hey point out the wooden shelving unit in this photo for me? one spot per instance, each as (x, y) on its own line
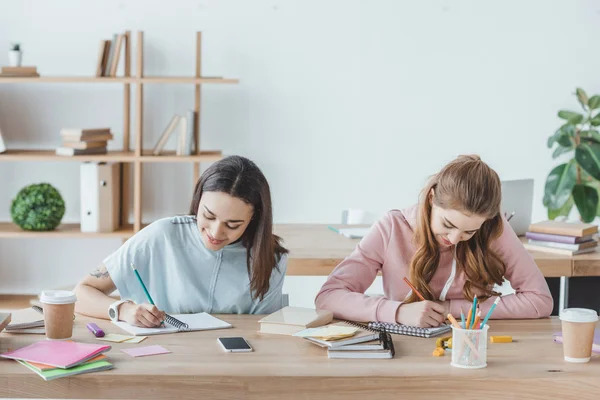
(134, 158)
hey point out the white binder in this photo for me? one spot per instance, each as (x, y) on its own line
(100, 194)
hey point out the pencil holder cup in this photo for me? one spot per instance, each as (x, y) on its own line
(469, 347)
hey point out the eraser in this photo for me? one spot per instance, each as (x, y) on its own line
(501, 339)
(95, 329)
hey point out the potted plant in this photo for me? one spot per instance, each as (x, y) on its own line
(14, 55)
(577, 181)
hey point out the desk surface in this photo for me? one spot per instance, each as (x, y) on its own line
(284, 367)
(315, 250)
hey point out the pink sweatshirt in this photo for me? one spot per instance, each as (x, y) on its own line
(389, 248)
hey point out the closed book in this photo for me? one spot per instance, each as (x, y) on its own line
(19, 74)
(290, 320)
(164, 137)
(565, 246)
(361, 336)
(56, 373)
(386, 352)
(558, 238)
(19, 70)
(83, 131)
(62, 354)
(67, 151)
(564, 228)
(91, 137)
(84, 145)
(536, 247)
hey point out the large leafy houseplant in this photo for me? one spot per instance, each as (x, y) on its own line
(577, 181)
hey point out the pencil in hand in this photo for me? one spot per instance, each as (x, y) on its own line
(410, 285)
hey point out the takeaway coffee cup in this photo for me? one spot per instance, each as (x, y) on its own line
(578, 325)
(59, 309)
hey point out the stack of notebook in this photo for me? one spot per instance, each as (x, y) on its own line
(562, 237)
(28, 320)
(342, 340)
(52, 359)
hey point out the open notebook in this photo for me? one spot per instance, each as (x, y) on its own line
(196, 322)
(400, 329)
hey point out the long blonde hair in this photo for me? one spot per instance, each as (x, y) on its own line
(470, 186)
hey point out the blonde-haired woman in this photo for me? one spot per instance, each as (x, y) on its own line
(453, 245)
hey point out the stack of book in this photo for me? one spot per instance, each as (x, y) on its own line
(28, 320)
(19, 72)
(356, 343)
(562, 237)
(52, 359)
(84, 141)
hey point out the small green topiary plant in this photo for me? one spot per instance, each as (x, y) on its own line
(38, 207)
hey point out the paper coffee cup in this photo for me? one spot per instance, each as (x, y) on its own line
(59, 309)
(578, 325)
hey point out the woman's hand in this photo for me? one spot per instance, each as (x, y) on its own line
(423, 314)
(144, 315)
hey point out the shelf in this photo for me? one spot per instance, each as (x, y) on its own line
(10, 230)
(50, 155)
(66, 79)
(112, 156)
(132, 79)
(169, 156)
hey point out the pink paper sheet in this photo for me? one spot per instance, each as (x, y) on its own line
(146, 351)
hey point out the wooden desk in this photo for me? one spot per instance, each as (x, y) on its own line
(284, 367)
(315, 250)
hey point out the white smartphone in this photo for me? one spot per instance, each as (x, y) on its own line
(234, 344)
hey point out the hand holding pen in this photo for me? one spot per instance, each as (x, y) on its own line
(423, 313)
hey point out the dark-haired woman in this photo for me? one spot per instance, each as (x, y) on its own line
(221, 258)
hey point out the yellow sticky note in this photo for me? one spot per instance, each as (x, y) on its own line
(114, 337)
(135, 339)
(330, 332)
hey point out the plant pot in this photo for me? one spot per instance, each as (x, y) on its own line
(14, 58)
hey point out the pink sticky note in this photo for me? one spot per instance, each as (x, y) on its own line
(145, 351)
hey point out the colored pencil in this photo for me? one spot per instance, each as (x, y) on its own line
(410, 285)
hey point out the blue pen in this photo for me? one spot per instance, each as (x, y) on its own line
(333, 229)
(474, 312)
(489, 314)
(462, 319)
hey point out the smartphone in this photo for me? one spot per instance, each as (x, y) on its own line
(234, 344)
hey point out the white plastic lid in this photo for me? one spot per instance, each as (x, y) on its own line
(578, 315)
(58, 297)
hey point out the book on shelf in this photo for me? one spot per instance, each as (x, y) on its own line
(559, 238)
(102, 57)
(91, 137)
(19, 72)
(166, 134)
(68, 151)
(83, 132)
(290, 320)
(386, 351)
(82, 145)
(535, 247)
(565, 246)
(2, 145)
(566, 228)
(117, 54)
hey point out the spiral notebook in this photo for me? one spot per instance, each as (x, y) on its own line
(400, 329)
(195, 322)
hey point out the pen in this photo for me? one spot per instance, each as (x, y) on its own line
(144, 287)
(472, 320)
(489, 314)
(410, 285)
(512, 214)
(462, 319)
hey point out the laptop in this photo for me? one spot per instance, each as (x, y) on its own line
(517, 197)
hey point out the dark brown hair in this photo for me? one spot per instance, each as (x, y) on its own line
(470, 186)
(241, 178)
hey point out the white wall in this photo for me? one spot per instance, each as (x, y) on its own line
(341, 103)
